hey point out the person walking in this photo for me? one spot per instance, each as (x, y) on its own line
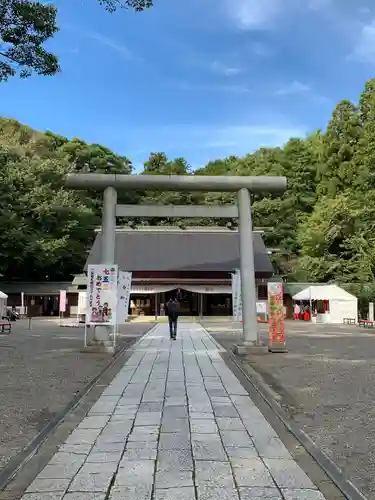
(171, 310)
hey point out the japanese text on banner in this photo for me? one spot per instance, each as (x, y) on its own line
(124, 289)
(102, 293)
(236, 296)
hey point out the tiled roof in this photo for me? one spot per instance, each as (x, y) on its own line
(186, 250)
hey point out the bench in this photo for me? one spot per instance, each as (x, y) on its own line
(5, 326)
(366, 323)
(349, 321)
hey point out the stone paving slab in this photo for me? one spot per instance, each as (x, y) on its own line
(175, 424)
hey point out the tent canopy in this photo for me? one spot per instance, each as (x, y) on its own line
(324, 292)
(3, 295)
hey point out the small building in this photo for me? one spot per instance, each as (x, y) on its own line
(196, 263)
(42, 297)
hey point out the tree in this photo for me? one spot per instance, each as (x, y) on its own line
(323, 224)
(364, 159)
(24, 27)
(137, 5)
(45, 228)
(158, 164)
(340, 145)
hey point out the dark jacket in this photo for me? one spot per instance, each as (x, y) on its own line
(172, 309)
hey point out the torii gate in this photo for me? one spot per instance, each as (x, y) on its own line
(242, 185)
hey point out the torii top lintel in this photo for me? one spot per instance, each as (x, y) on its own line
(255, 184)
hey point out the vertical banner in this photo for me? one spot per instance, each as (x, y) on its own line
(62, 301)
(82, 303)
(236, 296)
(22, 310)
(370, 312)
(239, 295)
(82, 307)
(123, 297)
(261, 307)
(102, 294)
(276, 317)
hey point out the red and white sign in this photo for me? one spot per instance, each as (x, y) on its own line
(276, 317)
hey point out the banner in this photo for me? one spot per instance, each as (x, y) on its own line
(62, 302)
(82, 303)
(276, 317)
(22, 308)
(236, 296)
(123, 291)
(102, 294)
(261, 307)
(233, 276)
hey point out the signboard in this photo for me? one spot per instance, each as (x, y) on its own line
(233, 295)
(276, 317)
(123, 296)
(22, 308)
(236, 296)
(62, 302)
(82, 303)
(261, 308)
(102, 294)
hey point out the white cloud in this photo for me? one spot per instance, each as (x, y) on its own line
(223, 69)
(293, 88)
(253, 14)
(242, 135)
(261, 49)
(112, 44)
(211, 87)
(364, 11)
(227, 139)
(364, 50)
(319, 4)
(262, 14)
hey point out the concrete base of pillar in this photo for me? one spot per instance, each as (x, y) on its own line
(250, 348)
(98, 339)
(277, 348)
(99, 348)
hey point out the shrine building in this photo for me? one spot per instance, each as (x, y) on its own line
(195, 262)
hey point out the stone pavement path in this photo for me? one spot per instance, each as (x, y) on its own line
(175, 424)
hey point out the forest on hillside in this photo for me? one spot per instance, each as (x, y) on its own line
(323, 225)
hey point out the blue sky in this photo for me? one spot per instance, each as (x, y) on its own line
(202, 79)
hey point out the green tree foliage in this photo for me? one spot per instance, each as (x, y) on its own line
(137, 5)
(336, 241)
(158, 164)
(24, 27)
(323, 227)
(45, 228)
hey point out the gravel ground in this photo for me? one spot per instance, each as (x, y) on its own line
(40, 372)
(327, 383)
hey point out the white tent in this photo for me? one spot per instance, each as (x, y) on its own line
(3, 304)
(341, 303)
